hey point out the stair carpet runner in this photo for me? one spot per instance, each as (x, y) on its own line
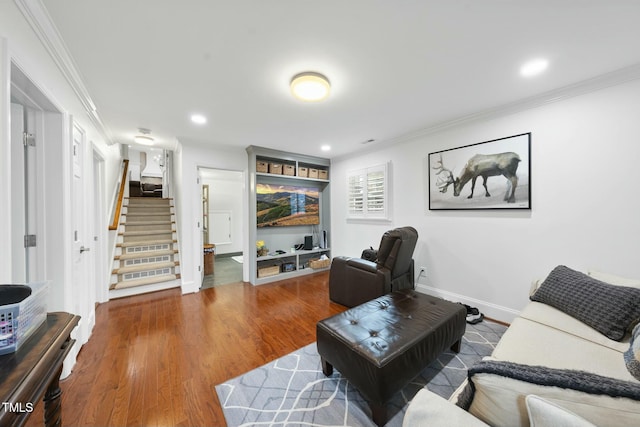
(146, 251)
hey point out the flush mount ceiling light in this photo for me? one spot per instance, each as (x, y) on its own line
(144, 138)
(310, 86)
(198, 119)
(533, 68)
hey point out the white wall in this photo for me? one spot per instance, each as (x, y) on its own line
(585, 153)
(189, 158)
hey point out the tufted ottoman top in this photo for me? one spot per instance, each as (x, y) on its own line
(381, 345)
(382, 328)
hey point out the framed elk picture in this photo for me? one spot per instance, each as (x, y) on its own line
(488, 175)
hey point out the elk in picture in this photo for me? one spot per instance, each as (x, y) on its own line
(484, 165)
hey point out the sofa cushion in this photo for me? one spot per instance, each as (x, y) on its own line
(500, 388)
(430, 410)
(609, 309)
(632, 355)
(543, 413)
(549, 316)
(614, 280)
(521, 343)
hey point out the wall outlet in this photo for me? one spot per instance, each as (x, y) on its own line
(422, 271)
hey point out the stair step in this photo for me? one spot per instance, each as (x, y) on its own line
(148, 209)
(145, 258)
(139, 228)
(144, 233)
(146, 266)
(157, 206)
(149, 199)
(145, 254)
(146, 281)
(153, 216)
(155, 242)
(146, 274)
(145, 205)
(142, 240)
(155, 213)
(138, 223)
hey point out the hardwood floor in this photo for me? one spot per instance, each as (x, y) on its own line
(153, 360)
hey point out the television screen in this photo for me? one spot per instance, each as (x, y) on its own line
(283, 205)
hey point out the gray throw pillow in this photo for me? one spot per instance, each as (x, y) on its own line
(609, 309)
(632, 356)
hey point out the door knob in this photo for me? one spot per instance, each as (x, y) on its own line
(83, 249)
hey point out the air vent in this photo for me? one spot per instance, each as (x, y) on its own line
(147, 248)
(145, 274)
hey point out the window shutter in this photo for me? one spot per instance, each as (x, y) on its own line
(368, 193)
(356, 194)
(375, 192)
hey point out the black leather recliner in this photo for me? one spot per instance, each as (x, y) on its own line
(353, 281)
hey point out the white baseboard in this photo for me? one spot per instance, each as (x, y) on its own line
(497, 312)
(190, 287)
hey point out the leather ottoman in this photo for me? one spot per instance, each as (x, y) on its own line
(381, 345)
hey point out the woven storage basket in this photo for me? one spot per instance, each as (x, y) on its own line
(268, 271)
(319, 263)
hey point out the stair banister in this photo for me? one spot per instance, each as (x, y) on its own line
(116, 216)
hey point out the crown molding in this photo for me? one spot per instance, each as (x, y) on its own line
(583, 87)
(38, 18)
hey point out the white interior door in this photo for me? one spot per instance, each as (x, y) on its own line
(81, 240)
(99, 227)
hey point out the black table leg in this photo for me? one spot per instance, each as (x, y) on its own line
(53, 403)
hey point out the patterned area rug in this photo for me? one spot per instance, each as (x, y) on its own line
(293, 391)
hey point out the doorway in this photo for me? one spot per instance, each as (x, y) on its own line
(222, 233)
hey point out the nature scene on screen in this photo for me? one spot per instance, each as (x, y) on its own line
(283, 205)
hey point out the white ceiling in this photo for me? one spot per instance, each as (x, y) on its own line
(397, 67)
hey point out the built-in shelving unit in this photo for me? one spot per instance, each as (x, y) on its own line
(273, 267)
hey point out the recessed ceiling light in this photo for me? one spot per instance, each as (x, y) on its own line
(310, 86)
(533, 68)
(198, 119)
(325, 148)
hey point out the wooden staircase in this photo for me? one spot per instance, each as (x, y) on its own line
(146, 249)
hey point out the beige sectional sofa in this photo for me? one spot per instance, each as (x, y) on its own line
(564, 365)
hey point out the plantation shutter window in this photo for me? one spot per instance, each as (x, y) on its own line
(367, 192)
(375, 191)
(356, 194)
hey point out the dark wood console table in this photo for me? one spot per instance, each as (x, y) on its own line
(34, 372)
